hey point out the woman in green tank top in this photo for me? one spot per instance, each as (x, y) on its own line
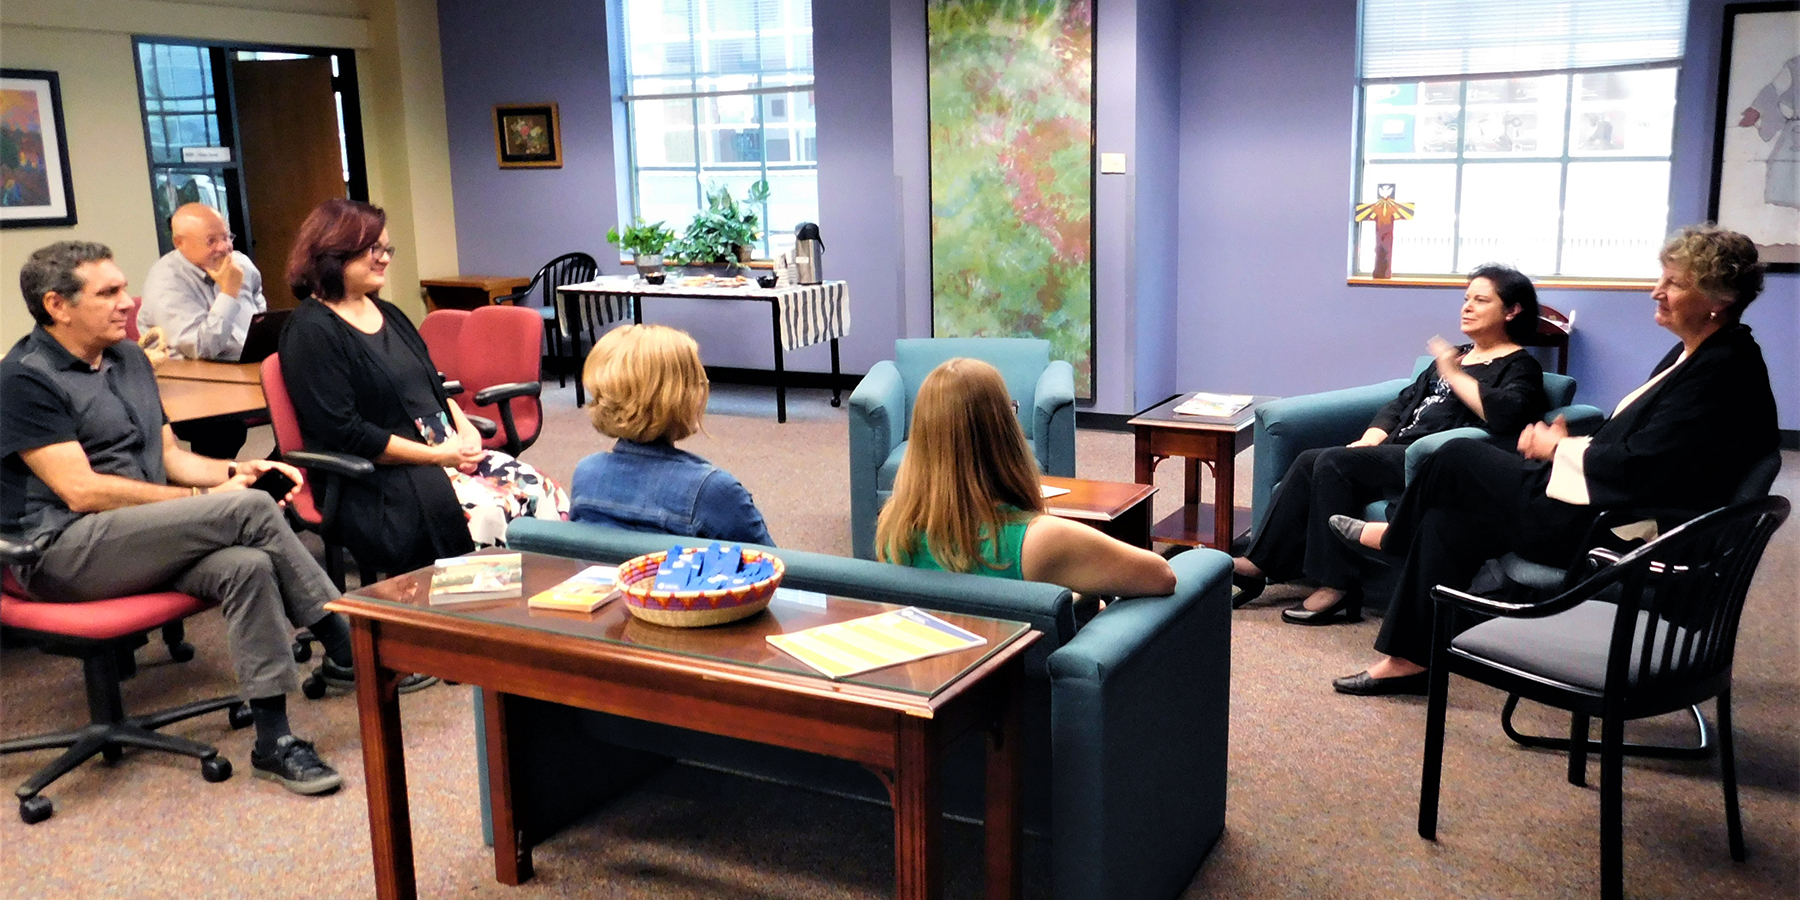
(967, 499)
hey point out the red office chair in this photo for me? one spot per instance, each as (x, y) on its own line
(315, 507)
(498, 364)
(103, 634)
(131, 325)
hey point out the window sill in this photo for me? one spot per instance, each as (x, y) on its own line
(1578, 284)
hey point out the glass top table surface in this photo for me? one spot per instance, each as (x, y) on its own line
(743, 643)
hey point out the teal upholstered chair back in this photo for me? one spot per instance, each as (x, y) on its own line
(881, 414)
(1021, 362)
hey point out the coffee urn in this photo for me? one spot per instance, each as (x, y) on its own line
(809, 254)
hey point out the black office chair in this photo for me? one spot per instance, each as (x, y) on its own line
(569, 268)
(1521, 578)
(1647, 633)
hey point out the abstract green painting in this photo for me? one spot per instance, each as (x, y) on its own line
(1012, 176)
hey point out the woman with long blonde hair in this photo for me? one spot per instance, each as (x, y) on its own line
(967, 499)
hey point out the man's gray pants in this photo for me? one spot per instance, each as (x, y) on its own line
(232, 548)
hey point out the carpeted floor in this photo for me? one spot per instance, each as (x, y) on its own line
(1323, 786)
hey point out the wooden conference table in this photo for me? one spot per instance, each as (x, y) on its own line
(800, 315)
(724, 680)
(201, 389)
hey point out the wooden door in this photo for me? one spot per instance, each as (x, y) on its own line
(288, 138)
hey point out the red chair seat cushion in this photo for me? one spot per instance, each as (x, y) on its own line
(99, 620)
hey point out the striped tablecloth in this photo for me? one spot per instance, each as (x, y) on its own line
(809, 313)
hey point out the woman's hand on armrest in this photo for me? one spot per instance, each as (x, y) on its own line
(1080, 558)
(1373, 437)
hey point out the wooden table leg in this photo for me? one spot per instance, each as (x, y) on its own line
(384, 767)
(1135, 525)
(1005, 828)
(918, 820)
(512, 854)
(1143, 464)
(1224, 481)
(1190, 481)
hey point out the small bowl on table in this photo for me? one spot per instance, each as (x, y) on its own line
(767, 281)
(655, 278)
(693, 609)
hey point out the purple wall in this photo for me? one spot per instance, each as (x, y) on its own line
(1267, 123)
(1220, 259)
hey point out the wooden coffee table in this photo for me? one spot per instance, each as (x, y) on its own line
(1214, 441)
(1116, 508)
(724, 680)
(470, 291)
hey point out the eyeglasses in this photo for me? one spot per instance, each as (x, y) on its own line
(379, 250)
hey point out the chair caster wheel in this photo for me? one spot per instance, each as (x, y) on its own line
(181, 652)
(112, 753)
(215, 769)
(35, 809)
(313, 687)
(302, 651)
(240, 716)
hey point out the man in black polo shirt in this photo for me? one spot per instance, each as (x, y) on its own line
(88, 462)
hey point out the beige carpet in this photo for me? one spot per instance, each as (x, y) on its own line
(1323, 787)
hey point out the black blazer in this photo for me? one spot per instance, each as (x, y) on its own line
(1688, 442)
(405, 516)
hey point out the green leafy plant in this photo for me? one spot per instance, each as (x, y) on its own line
(641, 239)
(723, 226)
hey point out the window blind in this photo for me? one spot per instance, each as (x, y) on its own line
(1459, 38)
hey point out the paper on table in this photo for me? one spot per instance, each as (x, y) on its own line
(872, 642)
(1215, 405)
(1048, 491)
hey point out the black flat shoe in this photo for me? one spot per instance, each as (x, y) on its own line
(1362, 685)
(1349, 530)
(1245, 588)
(1350, 604)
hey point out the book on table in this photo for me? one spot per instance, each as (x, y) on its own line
(586, 592)
(466, 579)
(842, 649)
(1213, 405)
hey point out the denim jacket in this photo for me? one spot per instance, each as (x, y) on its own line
(658, 488)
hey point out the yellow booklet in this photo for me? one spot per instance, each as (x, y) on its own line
(872, 642)
(586, 592)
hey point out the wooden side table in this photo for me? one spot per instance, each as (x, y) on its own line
(1214, 441)
(469, 291)
(1116, 509)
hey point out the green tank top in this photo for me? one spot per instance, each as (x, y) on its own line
(1007, 554)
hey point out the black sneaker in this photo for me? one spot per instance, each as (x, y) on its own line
(343, 678)
(296, 767)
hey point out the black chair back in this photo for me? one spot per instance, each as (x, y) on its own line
(569, 268)
(1679, 599)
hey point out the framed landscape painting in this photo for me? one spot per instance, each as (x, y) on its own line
(1756, 140)
(35, 190)
(528, 136)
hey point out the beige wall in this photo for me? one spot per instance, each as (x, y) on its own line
(88, 43)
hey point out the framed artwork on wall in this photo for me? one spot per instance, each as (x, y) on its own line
(1756, 139)
(35, 190)
(528, 136)
(1011, 106)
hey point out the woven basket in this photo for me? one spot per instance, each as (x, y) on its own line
(693, 609)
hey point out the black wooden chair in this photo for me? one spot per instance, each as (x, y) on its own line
(1647, 633)
(569, 268)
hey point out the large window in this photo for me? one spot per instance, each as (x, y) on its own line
(720, 93)
(1530, 132)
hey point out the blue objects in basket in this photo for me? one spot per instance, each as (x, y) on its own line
(714, 567)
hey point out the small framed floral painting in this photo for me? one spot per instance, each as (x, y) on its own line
(528, 136)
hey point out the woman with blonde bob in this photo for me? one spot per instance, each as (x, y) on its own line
(650, 391)
(967, 499)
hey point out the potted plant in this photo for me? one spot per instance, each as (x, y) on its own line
(645, 243)
(725, 230)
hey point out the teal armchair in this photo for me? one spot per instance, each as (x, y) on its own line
(1287, 427)
(881, 413)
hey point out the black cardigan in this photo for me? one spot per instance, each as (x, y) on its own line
(1512, 395)
(405, 516)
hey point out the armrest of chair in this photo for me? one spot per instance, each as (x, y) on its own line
(1581, 418)
(1417, 451)
(484, 426)
(514, 298)
(1288, 426)
(1140, 703)
(878, 409)
(452, 387)
(1053, 419)
(343, 464)
(15, 552)
(497, 393)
